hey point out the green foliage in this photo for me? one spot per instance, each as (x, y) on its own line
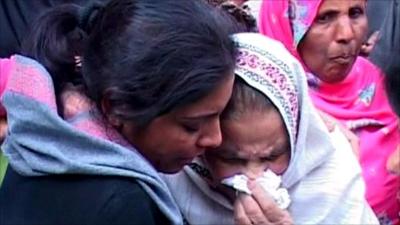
(3, 166)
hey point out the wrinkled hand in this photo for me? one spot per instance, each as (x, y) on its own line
(259, 208)
(352, 138)
(369, 45)
(331, 123)
(393, 162)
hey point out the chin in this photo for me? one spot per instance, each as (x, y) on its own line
(336, 76)
(170, 170)
(338, 79)
(173, 167)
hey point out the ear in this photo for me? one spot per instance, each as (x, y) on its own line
(109, 115)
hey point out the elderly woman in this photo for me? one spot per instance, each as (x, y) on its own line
(271, 125)
(326, 35)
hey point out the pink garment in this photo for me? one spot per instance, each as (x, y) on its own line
(359, 102)
(5, 66)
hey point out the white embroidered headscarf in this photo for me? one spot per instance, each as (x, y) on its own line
(323, 178)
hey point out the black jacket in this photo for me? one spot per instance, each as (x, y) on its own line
(75, 199)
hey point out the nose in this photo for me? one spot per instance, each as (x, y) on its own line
(344, 31)
(253, 170)
(211, 137)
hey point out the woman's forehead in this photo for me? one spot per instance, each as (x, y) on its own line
(254, 131)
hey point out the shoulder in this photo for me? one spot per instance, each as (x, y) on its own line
(128, 203)
(90, 199)
(131, 204)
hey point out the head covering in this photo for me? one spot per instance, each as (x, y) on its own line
(39, 142)
(359, 102)
(321, 176)
(287, 20)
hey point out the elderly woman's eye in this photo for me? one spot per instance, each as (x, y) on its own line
(233, 160)
(270, 158)
(356, 12)
(325, 17)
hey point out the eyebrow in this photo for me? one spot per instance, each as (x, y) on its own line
(336, 11)
(358, 4)
(200, 116)
(279, 151)
(235, 153)
(330, 12)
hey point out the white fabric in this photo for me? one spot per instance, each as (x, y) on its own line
(269, 181)
(323, 178)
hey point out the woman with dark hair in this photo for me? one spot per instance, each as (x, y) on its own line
(86, 138)
(16, 18)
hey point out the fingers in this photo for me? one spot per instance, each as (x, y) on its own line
(259, 208)
(267, 204)
(329, 121)
(240, 216)
(373, 39)
(253, 210)
(353, 140)
(331, 124)
(369, 45)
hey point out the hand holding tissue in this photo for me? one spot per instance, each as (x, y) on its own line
(269, 181)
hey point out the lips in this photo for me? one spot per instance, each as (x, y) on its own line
(343, 59)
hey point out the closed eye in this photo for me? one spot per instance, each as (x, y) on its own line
(274, 155)
(270, 158)
(191, 127)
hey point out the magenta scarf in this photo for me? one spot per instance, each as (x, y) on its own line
(359, 102)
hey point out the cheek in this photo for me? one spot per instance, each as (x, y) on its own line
(220, 170)
(312, 55)
(179, 142)
(361, 31)
(280, 165)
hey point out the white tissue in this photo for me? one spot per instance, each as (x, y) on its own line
(269, 181)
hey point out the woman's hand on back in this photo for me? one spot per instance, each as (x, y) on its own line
(331, 123)
(259, 208)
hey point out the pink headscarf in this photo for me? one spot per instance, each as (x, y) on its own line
(359, 102)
